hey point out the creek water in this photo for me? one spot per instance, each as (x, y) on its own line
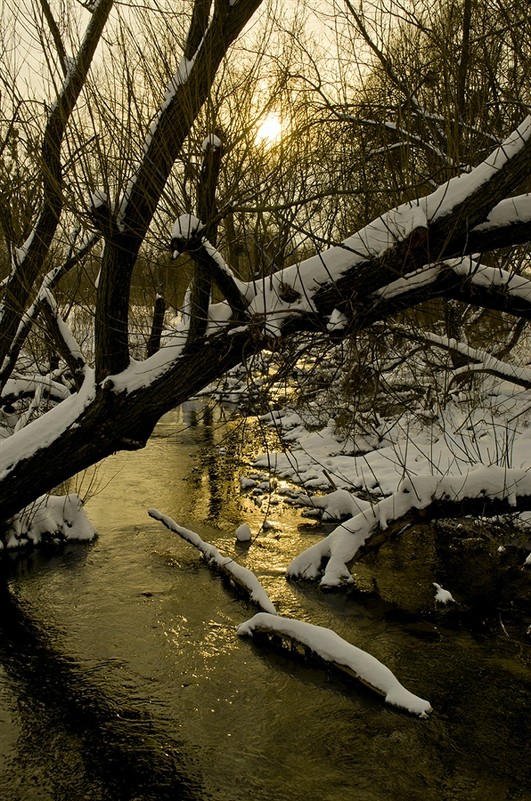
(122, 677)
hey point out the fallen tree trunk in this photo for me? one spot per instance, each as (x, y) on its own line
(484, 491)
(238, 576)
(315, 642)
(328, 648)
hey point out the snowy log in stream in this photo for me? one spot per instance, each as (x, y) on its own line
(327, 646)
(321, 644)
(501, 489)
(241, 577)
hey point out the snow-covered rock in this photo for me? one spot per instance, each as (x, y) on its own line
(243, 533)
(442, 596)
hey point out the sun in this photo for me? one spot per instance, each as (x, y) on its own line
(269, 130)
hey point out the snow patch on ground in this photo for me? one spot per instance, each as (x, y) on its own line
(50, 518)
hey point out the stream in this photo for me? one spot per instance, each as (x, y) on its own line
(122, 677)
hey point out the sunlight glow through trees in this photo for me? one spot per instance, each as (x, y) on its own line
(269, 131)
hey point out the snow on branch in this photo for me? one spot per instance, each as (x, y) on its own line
(26, 386)
(210, 35)
(188, 236)
(62, 337)
(51, 279)
(45, 430)
(238, 575)
(30, 258)
(461, 189)
(462, 279)
(512, 211)
(480, 275)
(487, 483)
(414, 235)
(330, 648)
(482, 361)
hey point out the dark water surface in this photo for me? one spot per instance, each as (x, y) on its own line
(122, 678)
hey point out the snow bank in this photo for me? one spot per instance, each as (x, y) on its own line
(331, 648)
(55, 517)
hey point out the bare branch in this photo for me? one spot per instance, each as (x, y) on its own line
(31, 255)
(185, 95)
(28, 320)
(62, 339)
(206, 205)
(56, 35)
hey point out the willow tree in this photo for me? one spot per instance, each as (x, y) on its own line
(420, 249)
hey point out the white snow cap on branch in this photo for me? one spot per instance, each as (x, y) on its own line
(179, 78)
(509, 211)
(185, 226)
(44, 430)
(337, 322)
(330, 647)
(449, 195)
(211, 141)
(98, 199)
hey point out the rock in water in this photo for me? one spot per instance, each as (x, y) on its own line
(243, 533)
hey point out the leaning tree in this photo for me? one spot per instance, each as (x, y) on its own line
(427, 247)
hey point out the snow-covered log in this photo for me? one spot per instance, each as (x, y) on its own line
(330, 648)
(239, 576)
(500, 488)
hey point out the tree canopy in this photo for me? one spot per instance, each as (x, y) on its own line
(137, 144)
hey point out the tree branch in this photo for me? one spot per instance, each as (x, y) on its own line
(185, 95)
(488, 490)
(62, 339)
(56, 35)
(188, 236)
(50, 281)
(29, 259)
(206, 205)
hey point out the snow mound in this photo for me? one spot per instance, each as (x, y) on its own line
(243, 533)
(51, 517)
(336, 505)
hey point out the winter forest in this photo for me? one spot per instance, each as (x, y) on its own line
(314, 217)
